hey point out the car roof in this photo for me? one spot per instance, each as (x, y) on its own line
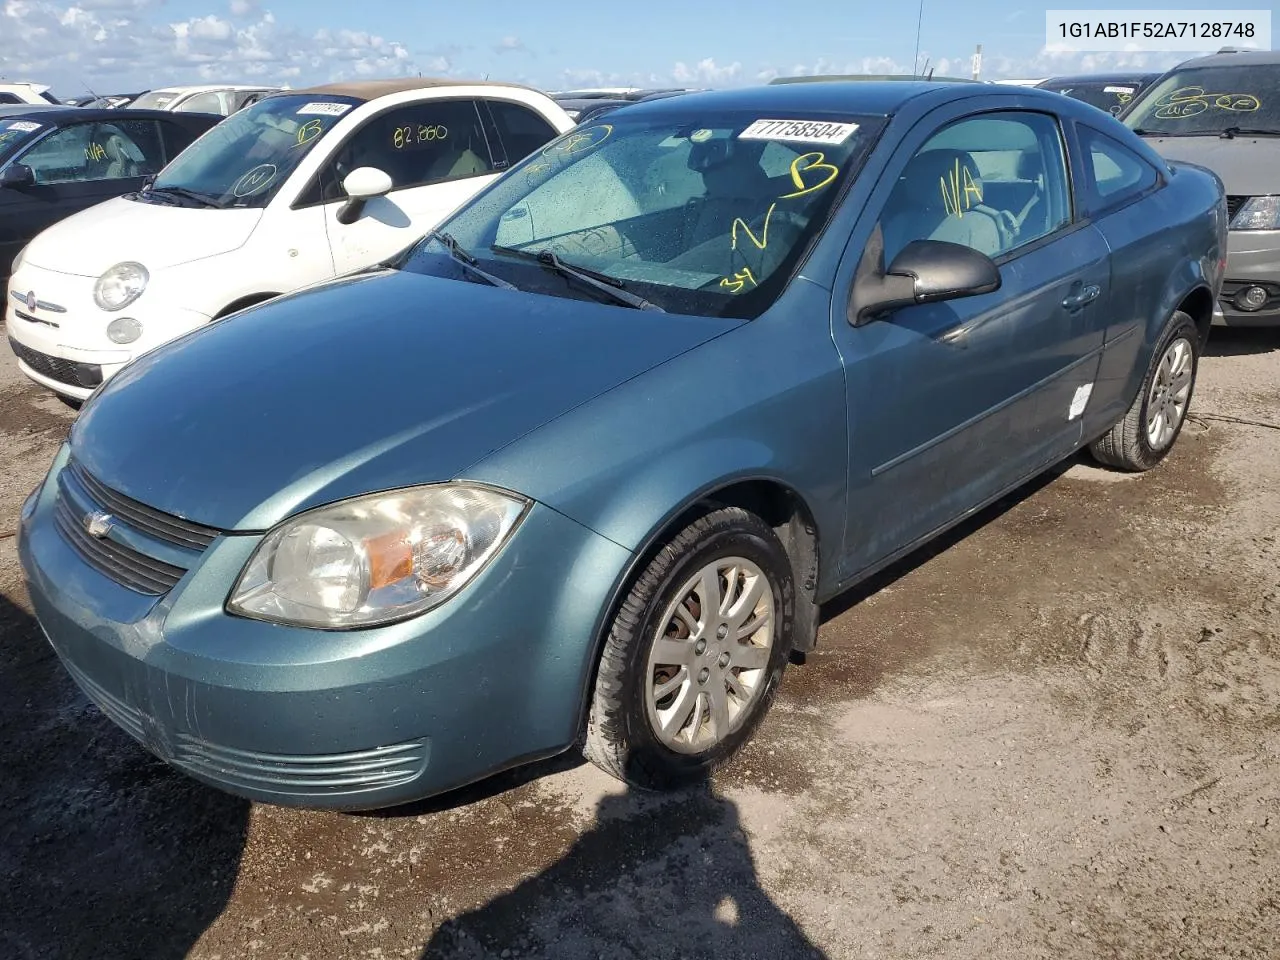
(1116, 77)
(62, 113)
(211, 87)
(870, 78)
(373, 89)
(865, 97)
(1242, 58)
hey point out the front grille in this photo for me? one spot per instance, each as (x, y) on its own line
(1234, 203)
(309, 775)
(144, 519)
(124, 565)
(73, 374)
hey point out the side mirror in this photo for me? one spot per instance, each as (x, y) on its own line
(362, 185)
(17, 175)
(925, 271)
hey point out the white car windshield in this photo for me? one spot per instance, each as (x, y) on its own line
(1205, 101)
(155, 100)
(703, 214)
(243, 161)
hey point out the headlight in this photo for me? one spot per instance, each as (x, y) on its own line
(1258, 213)
(120, 286)
(375, 559)
(124, 330)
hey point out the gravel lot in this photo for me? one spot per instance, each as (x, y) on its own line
(1055, 734)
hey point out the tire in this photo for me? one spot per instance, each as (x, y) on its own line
(664, 602)
(1130, 445)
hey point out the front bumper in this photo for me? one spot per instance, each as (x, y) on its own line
(1253, 259)
(345, 720)
(62, 344)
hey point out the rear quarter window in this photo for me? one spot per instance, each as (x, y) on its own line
(1115, 174)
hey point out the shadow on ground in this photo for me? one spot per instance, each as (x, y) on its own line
(105, 852)
(1242, 341)
(655, 877)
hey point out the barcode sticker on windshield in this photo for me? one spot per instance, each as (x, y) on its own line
(804, 131)
(323, 109)
(23, 126)
(1117, 89)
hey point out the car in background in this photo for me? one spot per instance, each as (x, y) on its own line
(870, 78)
(33, 93)
(581, 105)
(594, 110)
(580, 468)
(112, 101)
(1223, 112)
(210, 98)
(57, 161)
(576, 106)
(1111, 92)
(298, 188)
(1020, 82)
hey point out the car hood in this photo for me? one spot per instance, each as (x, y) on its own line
(364, 384)
(152, 234)
(1247, 166)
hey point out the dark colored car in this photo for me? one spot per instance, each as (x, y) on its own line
(1223, 112)
(1111, 92)
(580, 467)
(591, 112)
(56, 161)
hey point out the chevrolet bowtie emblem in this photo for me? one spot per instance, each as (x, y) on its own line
(98, 524)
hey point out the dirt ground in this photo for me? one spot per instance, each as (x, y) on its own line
(1054, 734)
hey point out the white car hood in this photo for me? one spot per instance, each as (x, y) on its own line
(152, 234)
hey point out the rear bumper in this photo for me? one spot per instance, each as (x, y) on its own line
(343, 720)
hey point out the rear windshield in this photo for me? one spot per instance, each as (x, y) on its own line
(1209, 100)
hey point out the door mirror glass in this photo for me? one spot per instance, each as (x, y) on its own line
(17, 175)
(365, 183)
(926, 271)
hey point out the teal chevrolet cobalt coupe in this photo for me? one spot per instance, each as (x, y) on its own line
(578, 468)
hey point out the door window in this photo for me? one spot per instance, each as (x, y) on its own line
(521, 129)
(419, 144)
(1118, 174)
(88, 152)
(995, 183)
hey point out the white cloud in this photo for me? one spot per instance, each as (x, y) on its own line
(511, 44)
(707, 72)
(127, 43)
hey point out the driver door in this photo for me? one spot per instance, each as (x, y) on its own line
(437, 157)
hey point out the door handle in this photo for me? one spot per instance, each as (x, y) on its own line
(1087, 294)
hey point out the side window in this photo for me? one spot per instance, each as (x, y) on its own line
(9, 98)
(89, 152)
(521, 129)
(1117, 173)
(994, 182)
(201, 103)
(423, 143)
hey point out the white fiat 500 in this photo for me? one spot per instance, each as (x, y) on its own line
(296, 189)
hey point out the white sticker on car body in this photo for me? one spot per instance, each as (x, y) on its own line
(323, 109)
(802, 131)
(1080, 400)
(23, 126)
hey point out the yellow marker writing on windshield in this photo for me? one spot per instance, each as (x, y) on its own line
(764, 237)
(309, 131)
(739, 280)
(95, 151)
(803, 165)
(959, 190)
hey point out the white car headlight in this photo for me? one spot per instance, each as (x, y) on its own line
(1258, 213)
(376, 559)
(120, 286)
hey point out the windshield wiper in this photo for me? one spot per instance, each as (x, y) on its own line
(468, 262)
(202, 199)
(1230, 133)
(611, 286)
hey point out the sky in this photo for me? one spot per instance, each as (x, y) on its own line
(112, 46)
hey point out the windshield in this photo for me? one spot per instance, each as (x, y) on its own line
(1208, 100)
(155, 100)
(13, 133)
(1111, 97)
(702, 214)
(243, 160)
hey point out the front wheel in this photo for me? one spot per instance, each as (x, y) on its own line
(1148, 431)
(695, 653)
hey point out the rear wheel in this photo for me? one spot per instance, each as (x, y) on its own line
(1148, 431)
(695, 654)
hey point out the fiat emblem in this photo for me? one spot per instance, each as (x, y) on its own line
(98, 524)
(31, 300)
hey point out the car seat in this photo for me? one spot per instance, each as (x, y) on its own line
(930, 202)
(121, 164)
